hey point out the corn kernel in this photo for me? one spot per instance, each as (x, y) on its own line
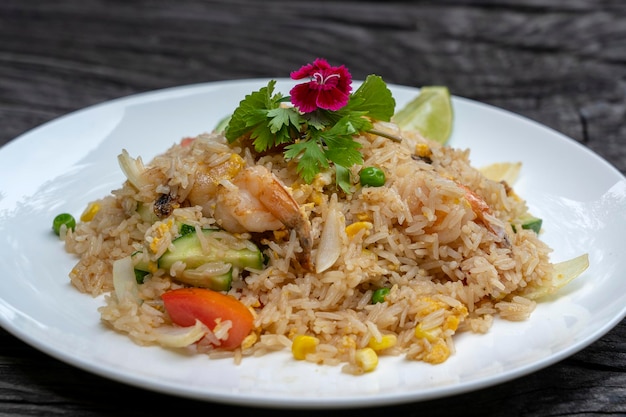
(354, 228)
(423, 334)
(90, 212)
(303, 345)
(422, 150)
(386, 341)
(366, 359)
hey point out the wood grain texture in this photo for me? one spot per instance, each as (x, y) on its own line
(561, 63)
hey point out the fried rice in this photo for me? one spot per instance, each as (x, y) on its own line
(444, 239)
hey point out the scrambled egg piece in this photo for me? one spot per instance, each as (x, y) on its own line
(434, 340)
(160, 232)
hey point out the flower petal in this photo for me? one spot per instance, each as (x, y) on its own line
(329, 87)
(331, 99)
(304, 97)
(303, 72)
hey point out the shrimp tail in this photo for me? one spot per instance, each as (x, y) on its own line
(283, 206)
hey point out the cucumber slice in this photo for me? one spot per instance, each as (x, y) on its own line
(188, 249)
(221, 282)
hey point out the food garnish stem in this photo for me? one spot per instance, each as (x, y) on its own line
(385, 135)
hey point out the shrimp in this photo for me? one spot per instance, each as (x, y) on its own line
(409, 189)
(253, 200)
(240, 199)
(207, 181)
(484, 214)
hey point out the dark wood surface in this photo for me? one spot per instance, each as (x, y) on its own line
(561, 63)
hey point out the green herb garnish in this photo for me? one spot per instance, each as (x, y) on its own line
(316, 138)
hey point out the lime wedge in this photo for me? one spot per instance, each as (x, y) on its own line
(430, 113)
(502, 171)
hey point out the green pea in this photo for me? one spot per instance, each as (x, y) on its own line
(63, 219)
(379, 295)
(372, 176)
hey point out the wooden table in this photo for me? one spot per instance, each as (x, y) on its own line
(559, 62)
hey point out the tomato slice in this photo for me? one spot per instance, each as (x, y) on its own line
(185, 305)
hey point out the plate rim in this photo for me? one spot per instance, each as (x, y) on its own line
(259, 401)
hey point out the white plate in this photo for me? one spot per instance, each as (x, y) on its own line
(64, 164)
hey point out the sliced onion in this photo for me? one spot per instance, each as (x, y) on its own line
(178, 337)
(204, 275)
(124, 281)
(330, 241)
(132, 168)
(564, 273)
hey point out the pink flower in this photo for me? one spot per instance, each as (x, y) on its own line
(329, 87)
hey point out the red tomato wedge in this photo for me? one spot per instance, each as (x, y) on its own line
(185, 305)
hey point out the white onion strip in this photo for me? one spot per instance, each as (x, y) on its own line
(330, 240)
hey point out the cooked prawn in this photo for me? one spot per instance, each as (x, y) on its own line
(253, 200)
(409, 191)
(484, 214)
(207, 181)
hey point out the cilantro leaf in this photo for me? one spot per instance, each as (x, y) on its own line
(262, 136)
(373, 97)
(351, 124)
(343, 150)
(320, 119)
(282, 117)
(261, 116)
(315, 139)
(342, 177)
(283, 121)
(312, 158)
(251, 112)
